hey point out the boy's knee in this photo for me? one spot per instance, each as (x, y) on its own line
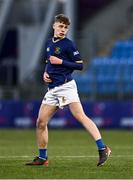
(41, 124)
(79, 116)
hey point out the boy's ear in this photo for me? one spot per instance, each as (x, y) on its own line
(53, 25)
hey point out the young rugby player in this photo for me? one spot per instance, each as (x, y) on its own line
(62, 59)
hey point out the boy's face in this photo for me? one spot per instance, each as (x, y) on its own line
(60, 29)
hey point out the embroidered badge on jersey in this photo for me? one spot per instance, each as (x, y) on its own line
(57, 50)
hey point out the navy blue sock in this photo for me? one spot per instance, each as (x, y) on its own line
(100, 144)
(43, 153)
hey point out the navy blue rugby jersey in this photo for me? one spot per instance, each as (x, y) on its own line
(65, 50)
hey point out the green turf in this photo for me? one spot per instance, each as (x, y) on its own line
(19, 146)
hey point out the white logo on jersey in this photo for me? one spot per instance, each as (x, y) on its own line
(48, 49)
(75, 53)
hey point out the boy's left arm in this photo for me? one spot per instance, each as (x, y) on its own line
(77, 65)
(73, 61)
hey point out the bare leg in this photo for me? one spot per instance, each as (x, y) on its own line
(45, 113)
(78, 113)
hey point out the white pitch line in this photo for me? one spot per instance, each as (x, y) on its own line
(91, 156)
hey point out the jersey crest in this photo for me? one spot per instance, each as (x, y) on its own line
(57, 50)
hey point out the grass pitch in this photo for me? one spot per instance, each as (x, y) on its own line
(72, 155)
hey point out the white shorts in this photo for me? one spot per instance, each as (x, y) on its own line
(62, 95)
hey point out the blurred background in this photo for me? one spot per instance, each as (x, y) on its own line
(103, 32)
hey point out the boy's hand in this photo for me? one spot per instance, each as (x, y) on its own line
(46, 77)
(55, 60)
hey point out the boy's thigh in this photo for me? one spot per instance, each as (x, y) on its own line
(46, 111)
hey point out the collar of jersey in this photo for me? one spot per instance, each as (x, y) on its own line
(54, 41)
